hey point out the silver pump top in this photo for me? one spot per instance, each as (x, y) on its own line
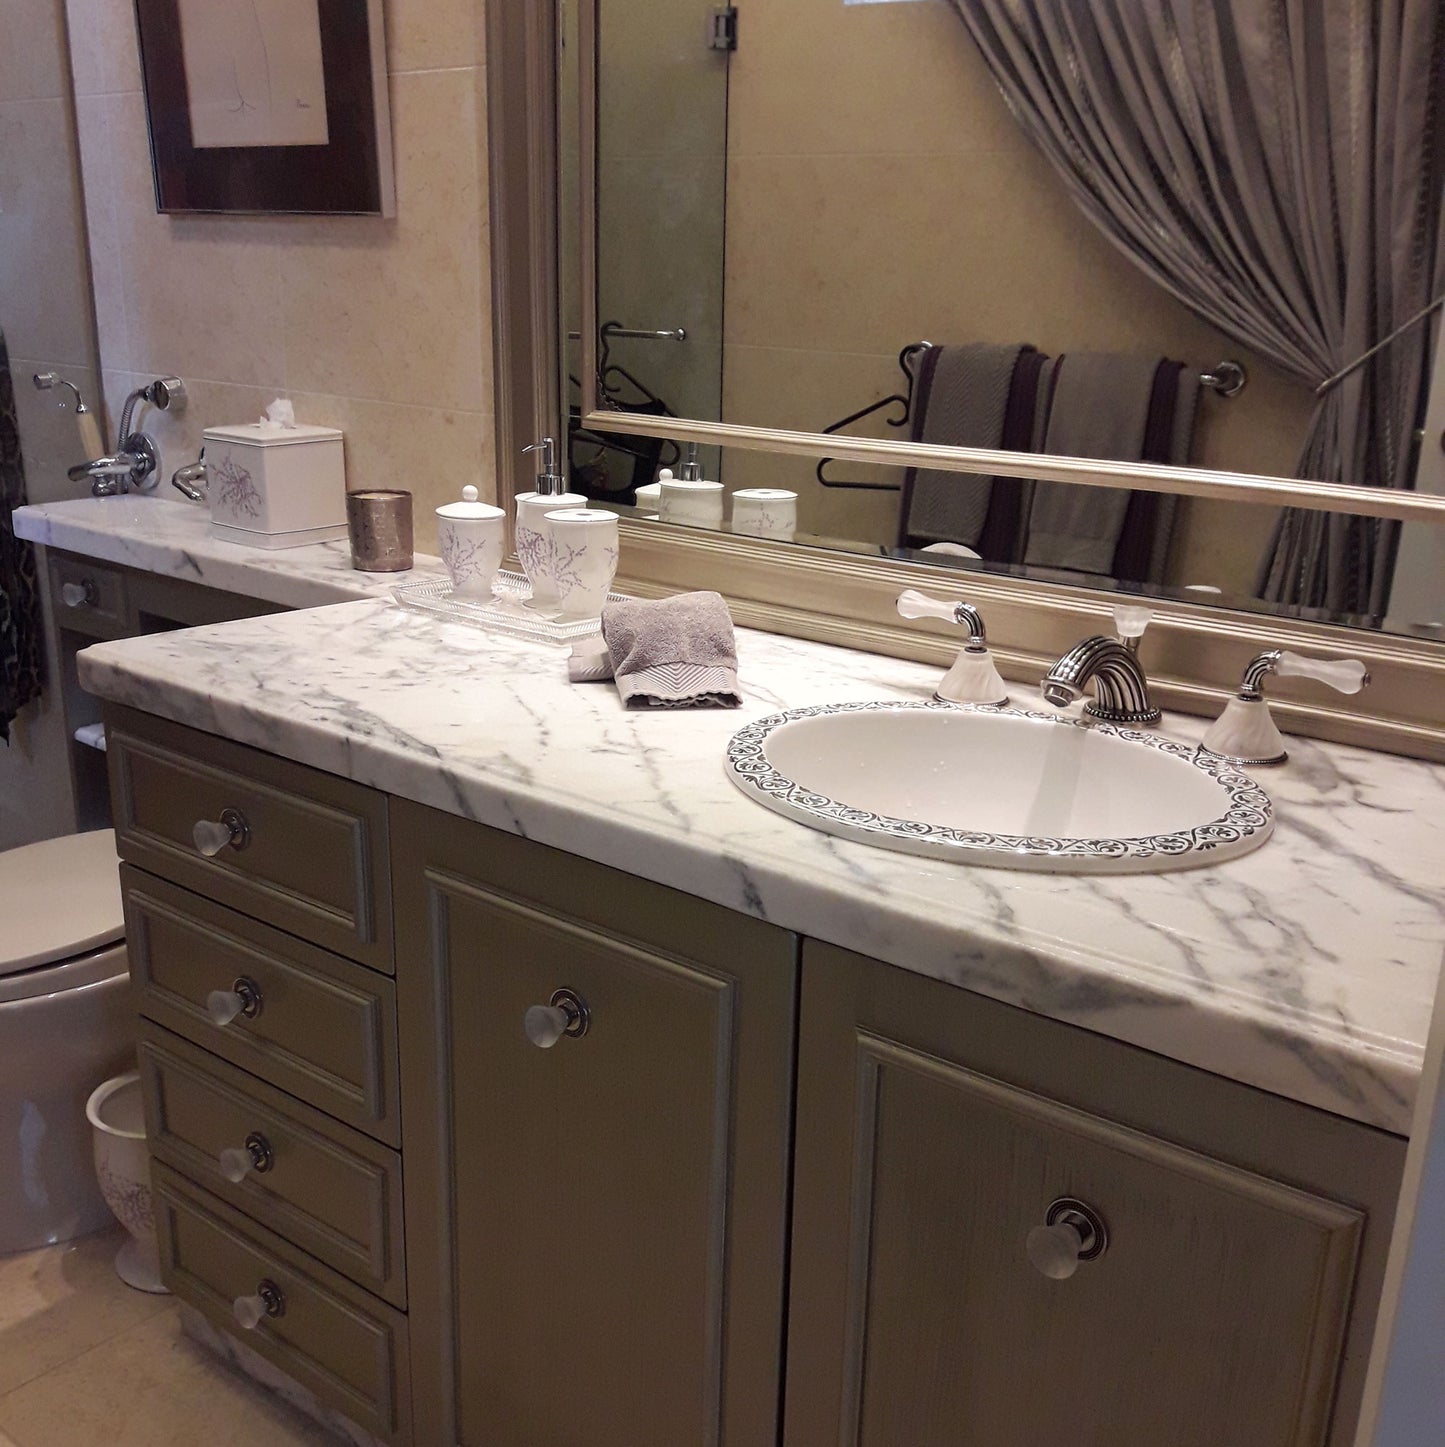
(550, 482)
(691, 469)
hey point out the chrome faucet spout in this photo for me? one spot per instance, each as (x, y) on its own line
(1121, 687)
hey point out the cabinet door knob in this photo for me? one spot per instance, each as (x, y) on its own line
(237, 1162)
(76, 595)
(251, 1311)
(564, 1014)
(1072, 1233)
(242, 999)
(210, 836)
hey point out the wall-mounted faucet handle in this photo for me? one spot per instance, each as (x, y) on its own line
(192, 479)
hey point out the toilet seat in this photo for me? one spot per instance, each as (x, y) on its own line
(60, 915)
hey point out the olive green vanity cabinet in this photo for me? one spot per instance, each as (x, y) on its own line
(1216, 1285)
(493, 1146)
(598, 1227)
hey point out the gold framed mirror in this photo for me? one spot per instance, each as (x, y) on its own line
(845, 594)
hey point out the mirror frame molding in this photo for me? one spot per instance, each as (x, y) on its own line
(1196, 653)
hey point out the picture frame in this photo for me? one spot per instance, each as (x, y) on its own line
(268, 106)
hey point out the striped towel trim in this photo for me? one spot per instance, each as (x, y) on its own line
(680, 685)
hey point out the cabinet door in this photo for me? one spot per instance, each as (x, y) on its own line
(607, 1268)
(1215, 1314)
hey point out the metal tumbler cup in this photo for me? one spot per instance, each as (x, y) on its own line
(380, 526)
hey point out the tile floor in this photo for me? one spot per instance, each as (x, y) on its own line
(87, 1362)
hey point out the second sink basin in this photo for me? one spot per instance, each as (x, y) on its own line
(1002, 787)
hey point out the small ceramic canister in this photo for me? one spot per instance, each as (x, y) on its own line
(471, 538)
(586, 559)
(535, 547)
(765, 512)
(694, 504)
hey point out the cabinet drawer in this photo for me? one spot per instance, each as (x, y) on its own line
(312, 857)
(324, 1187)
(347, 1347)
(97, 602)
(325, 1030)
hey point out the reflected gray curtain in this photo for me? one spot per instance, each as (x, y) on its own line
(1276, 165)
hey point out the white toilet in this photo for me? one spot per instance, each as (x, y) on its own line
(66, 1024)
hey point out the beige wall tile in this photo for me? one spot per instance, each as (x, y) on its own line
(151, 1387)
(431, 34)
(819, 77)
(96, 122)
(32, 50)
(202, 293)
(783, 388)
(43, 277)
(391, 310)
(57, 1303)
(432, 454)
(104, 52)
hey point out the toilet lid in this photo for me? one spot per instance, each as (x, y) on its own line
(58, 899)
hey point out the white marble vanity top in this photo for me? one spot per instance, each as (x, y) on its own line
(174, 540)
(1307, 968)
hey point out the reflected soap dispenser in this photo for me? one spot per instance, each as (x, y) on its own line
(535, 546)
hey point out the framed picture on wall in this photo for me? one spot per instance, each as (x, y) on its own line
(267, 106)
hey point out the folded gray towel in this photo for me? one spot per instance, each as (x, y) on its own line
(669, 653)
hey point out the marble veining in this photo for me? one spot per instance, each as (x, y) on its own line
(1308, 968)
(173, 539)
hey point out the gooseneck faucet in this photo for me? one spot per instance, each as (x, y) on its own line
(136, 460)
(1112, 667)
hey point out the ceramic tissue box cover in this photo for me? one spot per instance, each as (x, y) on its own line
(276, 487)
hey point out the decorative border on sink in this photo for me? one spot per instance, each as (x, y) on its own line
(1250, 811)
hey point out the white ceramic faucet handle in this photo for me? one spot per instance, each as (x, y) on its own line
(1348, 675)
(1131, 621)
(913, 604)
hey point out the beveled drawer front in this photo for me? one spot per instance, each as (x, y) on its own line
(324, 1187)
(331, 1336)
(325, 1030)
(308, 853)
(88, 597)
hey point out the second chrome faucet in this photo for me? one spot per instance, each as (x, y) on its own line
(1112, 667)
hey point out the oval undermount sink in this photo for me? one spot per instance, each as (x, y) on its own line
(1001, 787)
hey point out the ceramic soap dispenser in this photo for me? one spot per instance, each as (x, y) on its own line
(536, 547)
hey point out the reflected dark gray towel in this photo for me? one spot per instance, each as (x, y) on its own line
(1099, 408)
(673, 652)
(963, 400)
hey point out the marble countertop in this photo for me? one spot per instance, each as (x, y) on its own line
(174, 540)
(1308, 968)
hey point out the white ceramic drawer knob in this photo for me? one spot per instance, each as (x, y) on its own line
(231, 830)
(251, 1311)
(564, 1014)
(237, 1162)
(1072, 1233)
(242, 999)
(77, 595)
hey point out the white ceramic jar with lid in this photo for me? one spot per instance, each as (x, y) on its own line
(585, 553)
(471, 538)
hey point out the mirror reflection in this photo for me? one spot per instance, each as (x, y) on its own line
(1146, 233)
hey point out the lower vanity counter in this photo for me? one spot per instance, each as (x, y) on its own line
(770, 1136)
